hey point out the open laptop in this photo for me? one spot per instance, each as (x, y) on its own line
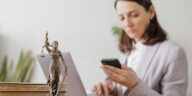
(74, 84)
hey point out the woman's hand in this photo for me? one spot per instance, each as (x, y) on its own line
(105, 87)
(124, 76)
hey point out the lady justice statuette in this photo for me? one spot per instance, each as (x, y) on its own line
(54, 68)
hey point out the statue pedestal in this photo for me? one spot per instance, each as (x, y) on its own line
(26, 89)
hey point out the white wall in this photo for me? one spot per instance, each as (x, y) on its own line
(83, 28)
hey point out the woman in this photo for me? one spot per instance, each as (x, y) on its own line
(151, 64)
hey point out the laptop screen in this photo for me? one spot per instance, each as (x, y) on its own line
(74, 85)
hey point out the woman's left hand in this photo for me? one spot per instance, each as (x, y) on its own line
(124, 76)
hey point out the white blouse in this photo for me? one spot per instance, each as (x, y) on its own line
(133, 59)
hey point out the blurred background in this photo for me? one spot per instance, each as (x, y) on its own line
(82, 27)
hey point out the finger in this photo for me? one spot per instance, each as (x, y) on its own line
(105, 88)
(112, 75)
(111, 68)
(118, 78)
(93, 89)
(98, 88)
(126, 68)
(111, 88)
(109, 83)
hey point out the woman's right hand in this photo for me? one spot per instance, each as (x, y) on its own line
(105, 87)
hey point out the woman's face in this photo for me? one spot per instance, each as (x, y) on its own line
(134, 19)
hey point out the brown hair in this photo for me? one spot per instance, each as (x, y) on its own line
(152, 35)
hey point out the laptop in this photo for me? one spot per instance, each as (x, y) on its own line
(74, 84)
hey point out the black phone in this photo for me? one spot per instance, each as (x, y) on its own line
(112, 62)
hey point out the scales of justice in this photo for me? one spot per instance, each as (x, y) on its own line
(54, 68)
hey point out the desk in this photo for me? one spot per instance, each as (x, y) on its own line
(26, 89)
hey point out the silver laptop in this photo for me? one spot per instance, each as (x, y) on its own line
(74, 84)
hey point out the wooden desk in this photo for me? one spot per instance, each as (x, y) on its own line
(26, 89)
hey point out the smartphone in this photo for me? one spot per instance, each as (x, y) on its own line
(112, 62)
